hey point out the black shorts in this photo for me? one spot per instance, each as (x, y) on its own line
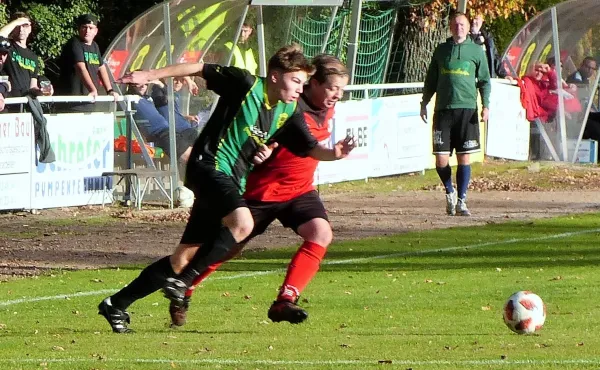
(216, 196)
(292, 213)
(456, 129)
(183, 140)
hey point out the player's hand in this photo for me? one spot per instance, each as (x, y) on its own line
(424, 114)
(135, 77)
(343, 147)
(263, 153)
(485, 115)
(2, 103)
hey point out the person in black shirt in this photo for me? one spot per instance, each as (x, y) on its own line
(23, 65)
(82, 70)
(253, 116)
(4, 83)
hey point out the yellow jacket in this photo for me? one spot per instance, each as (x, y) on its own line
(244, 61)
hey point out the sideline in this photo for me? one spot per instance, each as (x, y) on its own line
(474, 363)
(326, 262)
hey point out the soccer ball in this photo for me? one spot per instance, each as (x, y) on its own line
(524, 312)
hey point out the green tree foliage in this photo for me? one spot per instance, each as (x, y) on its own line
(504, 29)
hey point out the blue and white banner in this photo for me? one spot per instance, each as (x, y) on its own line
(391, 139)
(83, 145)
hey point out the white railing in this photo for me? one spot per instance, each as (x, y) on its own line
(366, 87)
(128, 99)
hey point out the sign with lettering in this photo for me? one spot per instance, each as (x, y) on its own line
(16, 143)
(83, 144)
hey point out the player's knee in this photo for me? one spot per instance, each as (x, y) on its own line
(242, 229)
(317, 231)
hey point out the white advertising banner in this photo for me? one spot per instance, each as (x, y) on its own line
(16, 143)
(15, 191)
(83, 145)
(400, 138)
(508, 128)
(391, 139)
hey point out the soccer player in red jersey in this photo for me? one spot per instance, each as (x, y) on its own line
(282, 188)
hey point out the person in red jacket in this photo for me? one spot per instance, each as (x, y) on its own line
(282, 188)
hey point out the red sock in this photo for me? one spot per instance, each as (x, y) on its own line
(301, 270)
(200, 278)
(212, 268)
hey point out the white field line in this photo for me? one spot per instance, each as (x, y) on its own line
(326, 262)
(474, 363)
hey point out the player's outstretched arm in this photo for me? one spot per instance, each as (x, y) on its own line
(174, 70)
(340, 150)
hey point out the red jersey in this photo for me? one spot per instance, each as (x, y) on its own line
(286, 176)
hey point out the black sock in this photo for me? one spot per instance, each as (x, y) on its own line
(151, 279)
(211, 252)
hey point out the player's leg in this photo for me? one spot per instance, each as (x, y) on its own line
(263, 215)
(442, 123)
(466, 134)
(154, 276)
(236, 226)
(306, 215)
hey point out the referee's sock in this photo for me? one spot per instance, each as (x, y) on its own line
(151, 279)
(463, 176)
(210, 253)
(302, 268)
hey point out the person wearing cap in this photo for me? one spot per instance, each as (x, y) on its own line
(23, 66)
(82, 70)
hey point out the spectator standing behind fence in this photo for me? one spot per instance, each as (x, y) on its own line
(485, 39)
(22, 66)
(457, 69)
(243, 56)
(82, 70)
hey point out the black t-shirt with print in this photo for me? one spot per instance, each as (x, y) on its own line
(21, 66)
(73, 52)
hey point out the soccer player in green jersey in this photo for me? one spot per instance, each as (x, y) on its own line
(253, 116)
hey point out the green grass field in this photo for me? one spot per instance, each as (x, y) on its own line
(426, 300)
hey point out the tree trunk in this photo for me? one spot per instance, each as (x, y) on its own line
(412, 49)
(419, 45)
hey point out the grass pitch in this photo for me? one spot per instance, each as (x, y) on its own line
(423, 300)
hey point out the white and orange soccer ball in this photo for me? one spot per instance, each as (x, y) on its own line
(524, 312)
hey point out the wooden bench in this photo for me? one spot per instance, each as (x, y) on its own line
(138, 175)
